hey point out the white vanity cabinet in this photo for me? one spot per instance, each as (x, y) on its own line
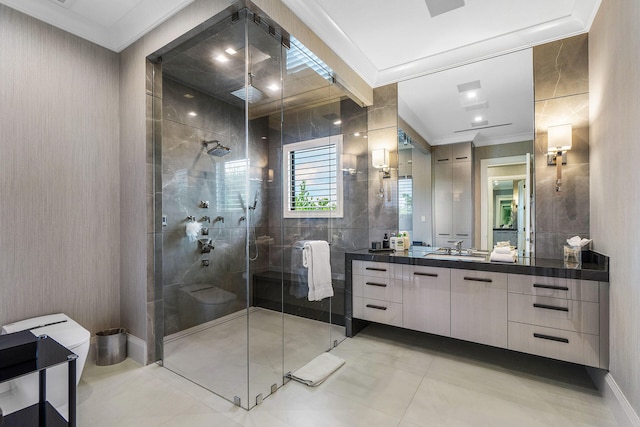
(558, 318)
(479, 306)
(426, 293)
(377, 292)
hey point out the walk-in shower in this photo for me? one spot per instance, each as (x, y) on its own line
(234, 92)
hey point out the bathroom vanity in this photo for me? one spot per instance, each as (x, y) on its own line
(533, 306)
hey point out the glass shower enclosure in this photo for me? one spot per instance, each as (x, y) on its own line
(229, 96)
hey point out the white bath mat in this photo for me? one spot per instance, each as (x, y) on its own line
(318, 370)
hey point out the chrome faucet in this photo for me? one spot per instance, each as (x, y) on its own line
(459, 247)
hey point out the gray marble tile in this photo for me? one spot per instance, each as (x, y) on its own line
(384, 111)
(561, 68)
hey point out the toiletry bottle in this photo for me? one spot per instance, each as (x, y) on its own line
(385, 241)
(407, 241)
(400, 244)
(392, 241)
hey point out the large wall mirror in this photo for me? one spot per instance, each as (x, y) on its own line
(490, 104)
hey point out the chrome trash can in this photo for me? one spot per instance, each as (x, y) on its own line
(111, 346)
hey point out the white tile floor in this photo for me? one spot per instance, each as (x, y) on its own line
(216, 357)
(392, 377)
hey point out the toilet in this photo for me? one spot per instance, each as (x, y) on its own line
(203, 302)
(24, 391)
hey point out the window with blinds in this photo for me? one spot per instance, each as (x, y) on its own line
(299, 58)
(313, 185)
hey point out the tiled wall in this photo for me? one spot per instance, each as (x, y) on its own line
(344, 234)
(383, 133)
(561, 77)
(189, 176)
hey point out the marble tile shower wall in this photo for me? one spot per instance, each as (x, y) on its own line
(344, 234)
(561, 74)
(189, 176)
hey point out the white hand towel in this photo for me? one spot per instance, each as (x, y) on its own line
(502, 249)
(510, 257)
(316, 257)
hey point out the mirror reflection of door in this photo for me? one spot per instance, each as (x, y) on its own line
(504, 202)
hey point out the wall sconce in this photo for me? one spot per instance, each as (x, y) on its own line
(559, 140)
(349, 163)
(380, 160)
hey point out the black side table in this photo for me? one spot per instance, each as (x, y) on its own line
(50, 354)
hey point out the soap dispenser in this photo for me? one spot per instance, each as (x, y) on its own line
(385, 241)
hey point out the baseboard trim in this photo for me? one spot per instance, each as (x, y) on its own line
(614, 398)
(137, 349)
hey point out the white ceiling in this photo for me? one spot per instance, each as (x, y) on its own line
(113, 24)
(483, 40)
(387, 42)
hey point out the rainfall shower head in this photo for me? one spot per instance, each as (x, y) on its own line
(214, 148)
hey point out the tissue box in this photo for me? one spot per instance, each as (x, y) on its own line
(18, 347)
(572, 256)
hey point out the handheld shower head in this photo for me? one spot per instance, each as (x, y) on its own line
(214, 148)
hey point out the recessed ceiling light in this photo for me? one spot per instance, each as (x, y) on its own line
(192, 113)
(464, 87)
(471, 95)
(356, 134)
(188, 96)
(222, 58)
(438, 7)
(231, 51)
(273, 87)
(478, 118)
(263, 137)
(337, 122)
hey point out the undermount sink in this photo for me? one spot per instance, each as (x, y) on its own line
(453, 257)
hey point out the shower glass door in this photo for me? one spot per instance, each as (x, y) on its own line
(238, 95)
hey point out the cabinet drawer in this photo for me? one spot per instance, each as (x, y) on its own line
(479, 307)
(377, 269)
(377, 288)
(555, 287)
(558, 313)
(480, 278)
(427, 299)
(556, 344)
(389, 313)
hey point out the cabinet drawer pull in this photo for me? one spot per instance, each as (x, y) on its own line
(474, 279)
(557, 288)
(375, 269)
(462, 158)
(443, 234)
(459, 234)
(443, 160)
(425, 274)
(381, 285)
(377, 307)
(551, 338)
(551, 307)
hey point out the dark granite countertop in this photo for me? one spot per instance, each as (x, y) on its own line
(594, 265)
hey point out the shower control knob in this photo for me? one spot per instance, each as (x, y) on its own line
(204, 204)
